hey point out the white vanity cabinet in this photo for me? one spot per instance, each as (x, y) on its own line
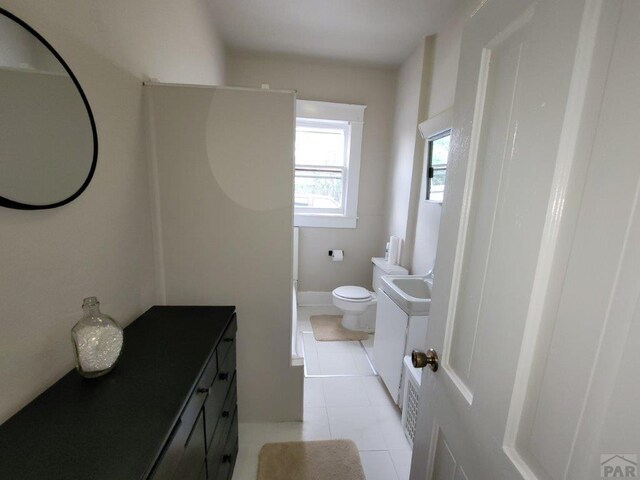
(397, 334)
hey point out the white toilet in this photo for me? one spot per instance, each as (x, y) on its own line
(358, 305)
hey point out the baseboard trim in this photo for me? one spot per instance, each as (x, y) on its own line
(314, 299)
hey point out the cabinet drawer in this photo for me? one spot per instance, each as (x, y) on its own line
(209, 374)
(193, 458)
(183, 456)
(228, 339)
(215, 420)
(228, 365)
(218, 393)
(216, 445)
(203, 472)
(230, 452)
(199, 395)
(182, 433)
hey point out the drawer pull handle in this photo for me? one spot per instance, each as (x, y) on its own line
(223, 376)
(227, 339)
(204, 390)
(225, 414)
(227, 458)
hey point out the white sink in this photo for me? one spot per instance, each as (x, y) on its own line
(412, 293)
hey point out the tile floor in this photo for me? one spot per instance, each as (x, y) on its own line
(335, 358)
(355, 405)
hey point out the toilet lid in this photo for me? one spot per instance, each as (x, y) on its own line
(353, 292)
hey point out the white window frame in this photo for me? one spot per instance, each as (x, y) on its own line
(353, 116)
(430, 128)
(344, 170)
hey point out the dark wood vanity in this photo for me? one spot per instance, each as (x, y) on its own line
(166, 411)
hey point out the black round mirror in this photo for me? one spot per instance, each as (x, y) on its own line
(48, 138)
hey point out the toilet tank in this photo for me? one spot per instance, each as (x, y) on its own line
(382, 267)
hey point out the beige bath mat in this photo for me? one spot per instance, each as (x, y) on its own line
(327, 328)
(320, 460)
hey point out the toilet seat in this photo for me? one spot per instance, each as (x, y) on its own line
(353, 293)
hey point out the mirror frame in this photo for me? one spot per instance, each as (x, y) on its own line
(5, 202)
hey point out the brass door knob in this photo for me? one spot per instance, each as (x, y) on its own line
(422, 359)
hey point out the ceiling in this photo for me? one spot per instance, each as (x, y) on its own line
(382, 32)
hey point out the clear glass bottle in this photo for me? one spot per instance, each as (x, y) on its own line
(97, 340)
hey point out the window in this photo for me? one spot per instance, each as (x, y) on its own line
(437, 132)
(438, 155)
(321, 160)
(327, 164)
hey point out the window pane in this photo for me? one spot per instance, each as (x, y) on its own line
(436, 185)
(318, 189)
(320, 146)
(440, 150)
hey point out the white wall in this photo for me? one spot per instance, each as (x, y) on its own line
(441, 93)
(344, 83)
(100, 244)
(169, 41)
(446, 55)
(20, 49)
(172, 41)
(406, 158)
(224, 159)
(426, 237)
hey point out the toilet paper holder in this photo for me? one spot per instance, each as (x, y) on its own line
(331, 253)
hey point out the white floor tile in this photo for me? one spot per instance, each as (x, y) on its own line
(368, 344)
(378, 466)
(389, 419)
(316, 415)
(402, 462)
(304, 324)
(313, 396)
(247, 463)
(338, 347)
(344, 392)
(316, 424)
(309, 343)
(314, 428)
(362, 363)
(300, 344)
(359, 415)
(377, 392)
(357, 424)
(254, 434)
(337, 364)
(330, 358)
(312, 363)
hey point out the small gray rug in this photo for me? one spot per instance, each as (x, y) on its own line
(327, 328)
(319, 460)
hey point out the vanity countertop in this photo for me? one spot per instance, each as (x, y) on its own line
(114, 427)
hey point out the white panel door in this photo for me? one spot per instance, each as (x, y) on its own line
(535, 311)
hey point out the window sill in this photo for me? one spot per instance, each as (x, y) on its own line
(324, 221)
